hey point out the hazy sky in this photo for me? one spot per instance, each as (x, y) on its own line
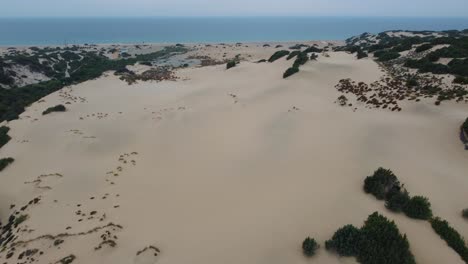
(45, 8)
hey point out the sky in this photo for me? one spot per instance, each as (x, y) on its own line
(145, 8)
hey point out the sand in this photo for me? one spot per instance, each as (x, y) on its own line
(227, 166)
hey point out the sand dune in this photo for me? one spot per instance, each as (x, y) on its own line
(226, 166)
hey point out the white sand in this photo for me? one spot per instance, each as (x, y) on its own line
(220, 181)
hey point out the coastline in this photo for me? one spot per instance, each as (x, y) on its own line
(217, 165)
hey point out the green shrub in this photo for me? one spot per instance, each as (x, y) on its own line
(380, 183)
(309, 247)
(4, 137)
(465, 213)
(278, 55)
(345, 241)
(423, 47)
(293, 54)
(460, 80)
(418, 207)
(361, 54)
(5, 162)
(464, 127)
(388, 55)
(378, 241)
(57, 108)
(290, 71)
(231, 64)
(397, 201)
(381, 242)
(451, 236)
(313, 56)
(301, 59)
(312, 49)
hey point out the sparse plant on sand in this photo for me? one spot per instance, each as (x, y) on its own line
(465, 213)
(309, 247)
(231, 64)
(5, 162)
(57, 108)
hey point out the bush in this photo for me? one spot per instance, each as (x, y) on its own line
(5, 162)
(465, 213)
(388, 55)
(460, 80)
(290, 71)
(397, 201)
(361, 54)
(313, 56)
(230, 64)
(278, 55)
(378, 241)
(309, 247)
(418, 207)
(301, 59)
(4, 137)
(380, 183)
(381, 242)
(345, 241)
(312, 49)
(423, 47)
(464, 127)
(293, 54)
(57, 108)
(451, 236)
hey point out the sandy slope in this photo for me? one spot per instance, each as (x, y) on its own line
(228, 179)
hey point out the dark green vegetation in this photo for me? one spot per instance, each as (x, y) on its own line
(460, 80)
(386, 47)
(309, 247)
(4, 137)
(418, 207)
(5, 162)
(345, 241)
(384, 185)
(230, 64)
(90, 66)
(386, 55)
(424, 47)
(57, 108)
(465, 126)
(293, 54)
(290, 71)
(451, 236)
(361, 54)
(301, 58)
(278, 55)
(465, 213)
(378, 241)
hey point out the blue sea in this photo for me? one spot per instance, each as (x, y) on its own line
(49, 31)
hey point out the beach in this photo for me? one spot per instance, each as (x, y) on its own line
(226, 165)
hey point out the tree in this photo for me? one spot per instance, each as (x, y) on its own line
(309, 247)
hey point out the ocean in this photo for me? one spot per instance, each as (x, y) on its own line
(54, 31)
